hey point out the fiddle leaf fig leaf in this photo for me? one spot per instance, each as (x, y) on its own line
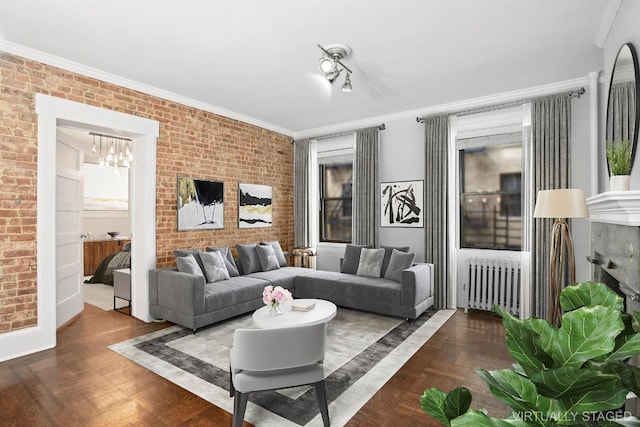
(457, 402)
(432, 402)
(518, 392)
(587, 294)
(522, 339)
(598, 400)
(626, 346)
(636, 321)
(570, 382)
(586, 333)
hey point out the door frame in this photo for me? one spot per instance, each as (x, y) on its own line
(52, 112)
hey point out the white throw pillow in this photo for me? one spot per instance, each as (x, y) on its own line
(214, 266)
(370, 263)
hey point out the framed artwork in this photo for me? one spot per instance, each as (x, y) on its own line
(402, 204)
(200, 204)
(105, 190)
(254, 206)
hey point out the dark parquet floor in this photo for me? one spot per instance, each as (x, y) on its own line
(83, 383)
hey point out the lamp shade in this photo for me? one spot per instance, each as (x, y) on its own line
(561, 203)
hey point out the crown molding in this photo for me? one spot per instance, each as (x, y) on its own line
(75, 67)
(606, 23)
(450, 108)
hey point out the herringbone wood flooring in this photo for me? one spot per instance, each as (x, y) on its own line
(81, 382)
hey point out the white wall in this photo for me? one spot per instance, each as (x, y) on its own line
(402, 159)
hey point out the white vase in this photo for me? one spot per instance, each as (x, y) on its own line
(619, 183)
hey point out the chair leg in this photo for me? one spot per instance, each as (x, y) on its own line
(321, 397)
(239, 408)
(232, 389)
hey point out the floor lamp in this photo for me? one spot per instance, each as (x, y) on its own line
(560, 204)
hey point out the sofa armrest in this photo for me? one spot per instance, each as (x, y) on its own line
(182, 292)
(417, 284)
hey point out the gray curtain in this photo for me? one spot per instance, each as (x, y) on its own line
(301, 193)
(621, 112)
(436, 217)
(366, 188)
(551, 130)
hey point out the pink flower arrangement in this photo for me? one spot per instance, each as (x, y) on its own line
(274, 296)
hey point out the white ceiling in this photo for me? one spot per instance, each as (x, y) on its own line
(258, 60)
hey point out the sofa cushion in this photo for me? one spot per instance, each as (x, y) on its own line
(236, 290)
(399, 261)
(352, 258)
(214, 267)
(388, 250)
(188, 264)
(326, 284)
(184, 252)
(267, 258)
(229, 262)
(370, 262)
(282, 260)
(284, 276)
(248, 258)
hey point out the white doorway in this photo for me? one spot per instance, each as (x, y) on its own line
(53, 112)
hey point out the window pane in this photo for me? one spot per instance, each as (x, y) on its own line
(335, 203)
(491, 197)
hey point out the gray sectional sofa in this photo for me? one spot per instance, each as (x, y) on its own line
(188, 300)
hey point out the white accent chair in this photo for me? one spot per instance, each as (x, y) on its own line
(270, 359)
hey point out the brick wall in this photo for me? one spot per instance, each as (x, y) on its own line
(192, 143)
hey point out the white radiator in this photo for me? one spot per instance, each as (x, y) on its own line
(492, 282)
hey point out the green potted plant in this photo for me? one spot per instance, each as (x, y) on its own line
(619, 159)
(574, 375)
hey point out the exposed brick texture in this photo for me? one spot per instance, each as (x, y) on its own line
(192, 143)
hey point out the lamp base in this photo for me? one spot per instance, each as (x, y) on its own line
(561, 254)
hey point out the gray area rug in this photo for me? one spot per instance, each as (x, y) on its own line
(364, 350)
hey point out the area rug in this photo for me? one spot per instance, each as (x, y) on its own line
(363, 351)
(99, 295)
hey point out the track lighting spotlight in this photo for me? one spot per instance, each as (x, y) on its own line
(331, 64)
(346, 87)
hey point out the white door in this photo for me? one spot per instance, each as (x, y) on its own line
(69, 256)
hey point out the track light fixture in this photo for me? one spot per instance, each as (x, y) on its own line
(331, 63)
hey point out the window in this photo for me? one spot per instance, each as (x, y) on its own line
(335, 202)
(491, 192)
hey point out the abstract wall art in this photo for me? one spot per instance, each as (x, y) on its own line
(402, 204)
(200, 204)
(254, 206)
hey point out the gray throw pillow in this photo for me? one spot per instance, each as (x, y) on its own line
(370, 262)
(387, 256)
(214, 266)
(188, 264)
(184, 252)
(277, 249)
(248, 258)
(267, 257)
(351, 258)
(229, 262)
(399, 261)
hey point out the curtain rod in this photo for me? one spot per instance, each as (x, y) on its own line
(334, 135)
(572, 94)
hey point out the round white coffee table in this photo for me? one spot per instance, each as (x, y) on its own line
(322, 312)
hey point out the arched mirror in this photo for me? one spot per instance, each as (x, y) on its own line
(622, 114)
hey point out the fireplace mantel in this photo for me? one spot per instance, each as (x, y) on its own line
(615, 207)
